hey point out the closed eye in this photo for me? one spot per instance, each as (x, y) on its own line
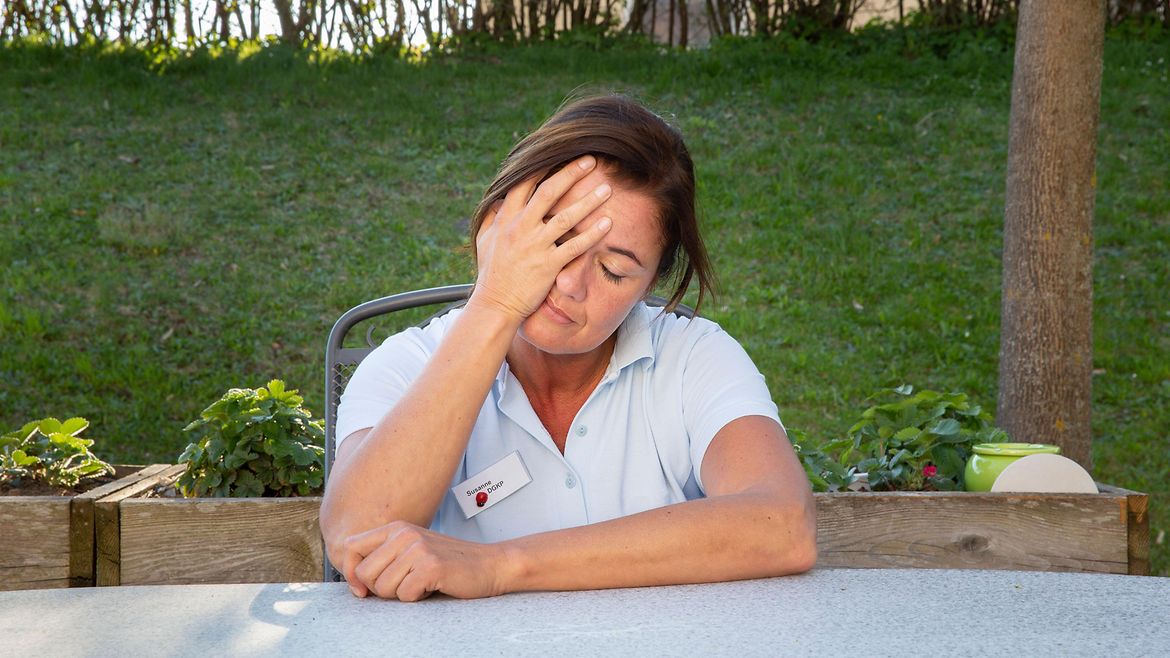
(613, 277)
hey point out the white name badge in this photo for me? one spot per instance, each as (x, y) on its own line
(491, 485)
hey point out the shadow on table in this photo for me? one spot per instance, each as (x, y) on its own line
(290, 615)
(307, 619)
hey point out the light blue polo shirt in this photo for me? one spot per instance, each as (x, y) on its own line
(636, 444)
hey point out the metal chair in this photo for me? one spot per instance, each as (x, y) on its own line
(341, 361)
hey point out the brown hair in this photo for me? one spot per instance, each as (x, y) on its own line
(641, 151)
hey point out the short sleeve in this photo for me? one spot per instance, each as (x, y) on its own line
(384, 376)
(720, 384)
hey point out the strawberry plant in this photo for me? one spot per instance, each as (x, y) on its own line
(254, 442)
(907, 442)
(51, 452)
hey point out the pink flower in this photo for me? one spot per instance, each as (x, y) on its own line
(929, 471)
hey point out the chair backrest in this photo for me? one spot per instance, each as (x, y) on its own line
(341, 361)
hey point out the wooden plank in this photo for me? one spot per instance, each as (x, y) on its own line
(34, 545)
(220, 540)
(1137, 507)
(1138, 524)
(81, 521)
(107, 544)
(963, 530)
(107, 525)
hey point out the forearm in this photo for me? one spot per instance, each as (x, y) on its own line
(745, 535)
(402, 467)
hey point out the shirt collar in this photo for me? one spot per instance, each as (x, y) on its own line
(633, 339)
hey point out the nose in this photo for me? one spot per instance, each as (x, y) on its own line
(571, 279)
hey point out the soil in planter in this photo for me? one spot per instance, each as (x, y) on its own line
(38, 488)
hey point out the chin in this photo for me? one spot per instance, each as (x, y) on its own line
(555, 339)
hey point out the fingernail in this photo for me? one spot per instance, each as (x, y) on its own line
(603, 191)
(355, 591)
(586, 162)
(604, 224)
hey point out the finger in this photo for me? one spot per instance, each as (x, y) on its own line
(580, 243)
(354, 549)
(351, 560)
(517, 198)
(550, 191)
(489, 219)
(382, 570)
(570, 217)
(369, 540)
(416, 586)
(380, 558)
(490, 216)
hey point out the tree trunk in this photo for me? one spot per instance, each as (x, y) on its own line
(288, 25)
(188, 23)
(670, 24)
(1045, 354)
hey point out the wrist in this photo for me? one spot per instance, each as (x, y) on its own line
(512, 567)
(484, 300)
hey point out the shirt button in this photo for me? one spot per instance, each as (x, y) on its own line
(582, 430)
(570, 481)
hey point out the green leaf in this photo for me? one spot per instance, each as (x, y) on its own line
(907, 433)
(304, 456)
(92, 468)
(73, 426)
(21, 458)
(945, 427)
(949, 460)
(899, 457)
(248, 485)
(216, 446)
(67, 443)
(48, 426)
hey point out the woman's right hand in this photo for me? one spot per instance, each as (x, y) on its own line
(520, 253)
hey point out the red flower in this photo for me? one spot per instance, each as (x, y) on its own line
(929, 471)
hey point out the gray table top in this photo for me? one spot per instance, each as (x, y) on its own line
(824, 612)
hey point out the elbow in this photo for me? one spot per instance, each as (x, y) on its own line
(803, 557)
(346, 514)
(331, 525)
(337, 526)
(797, 552)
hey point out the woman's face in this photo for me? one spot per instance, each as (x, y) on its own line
(594, 293)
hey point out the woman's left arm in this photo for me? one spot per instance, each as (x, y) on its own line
(757, 520)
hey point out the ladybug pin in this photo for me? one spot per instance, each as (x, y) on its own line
(481, 499)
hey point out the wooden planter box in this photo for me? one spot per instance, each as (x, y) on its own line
(143, 541)
(48, 541)
(1108, 532)
(168, 541)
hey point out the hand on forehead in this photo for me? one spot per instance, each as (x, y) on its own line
(579, 190)
(636, 227)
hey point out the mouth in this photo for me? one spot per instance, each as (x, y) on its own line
(554, 312)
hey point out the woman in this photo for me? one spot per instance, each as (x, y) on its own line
(556, 433)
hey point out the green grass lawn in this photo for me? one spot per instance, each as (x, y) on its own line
(168, 232)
